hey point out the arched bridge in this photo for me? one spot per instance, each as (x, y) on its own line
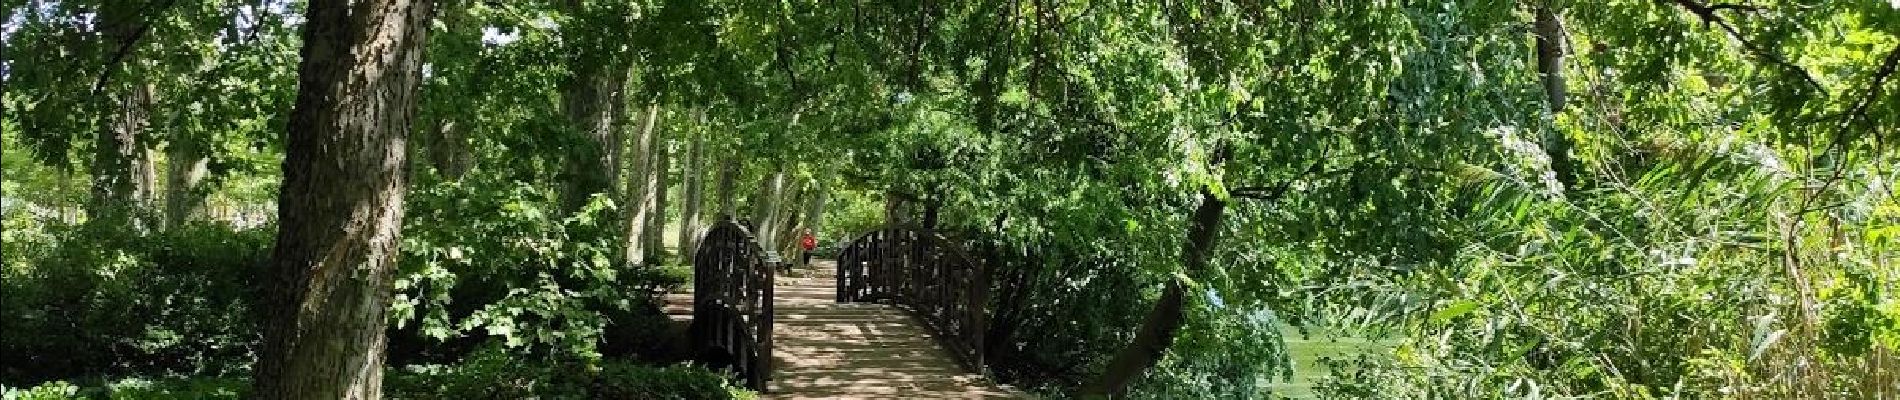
(899, 314)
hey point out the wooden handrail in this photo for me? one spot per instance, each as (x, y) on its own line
(732, 300)
(926, 274)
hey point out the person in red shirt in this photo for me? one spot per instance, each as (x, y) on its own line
(808, 242)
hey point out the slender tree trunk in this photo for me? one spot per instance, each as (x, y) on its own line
(656, 219)
(785, 214)
(444, 141)
(185, 170)
(618, 155)
(728, 179)
(449, 152)
(341, 207)
(765, 205)
(1158, 328)
(690, 200)
(1551, 50)
(637, 186)
(814, 212)
(146, 167)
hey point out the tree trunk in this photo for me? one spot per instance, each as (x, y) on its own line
(765, 205)
(341, 207)
(1551, 51)
(814, 212)
(185, 170)
(656, 218)
(694, 180)
(588, 98)
(637, 186)
(118, 178)
(1160, 325)
(146, 167)
(448, 150)
(728, 178)
(785, 215)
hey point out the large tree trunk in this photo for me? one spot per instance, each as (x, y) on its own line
(118, 176)
(117, 153)
(656, 218)
(340, 210)
(1551, 50)
(185, 171)
(637, 186)
(728, 179)
(588, 98)
(1160, 325)
(694, 179)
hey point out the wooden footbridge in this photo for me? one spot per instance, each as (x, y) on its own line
(900, 314)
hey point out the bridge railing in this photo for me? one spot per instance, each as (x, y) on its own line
(927, 274)
(732, 301)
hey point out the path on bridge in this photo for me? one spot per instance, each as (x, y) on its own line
(828, 350)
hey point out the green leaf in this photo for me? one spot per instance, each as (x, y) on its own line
(1455, 310)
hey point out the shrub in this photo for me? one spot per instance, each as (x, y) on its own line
(117, 303)
(194, 388)
(492, 372)
(539, 280)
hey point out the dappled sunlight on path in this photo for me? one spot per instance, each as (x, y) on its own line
(823, 349)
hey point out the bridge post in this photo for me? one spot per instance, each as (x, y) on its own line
(763, 364)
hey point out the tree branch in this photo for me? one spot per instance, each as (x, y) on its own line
(1709, 17)
(1842, 133)
(126, 46)
(1264, 193)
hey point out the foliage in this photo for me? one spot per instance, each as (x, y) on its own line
(494, 373)
(1711, 212)
(514, 270)
(489, 373)
(101, 302)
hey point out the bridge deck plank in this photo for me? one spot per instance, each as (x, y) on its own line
(859, 351)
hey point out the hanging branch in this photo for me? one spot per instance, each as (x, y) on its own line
(1875, 87)
(1275, 192)
(126, 46)
(1707, 13)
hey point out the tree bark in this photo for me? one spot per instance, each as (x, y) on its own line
(449, 152)
(637, 192)
(765, 205)
(589, 166)
(1551, 50)
(1158, 328)
(341, 207)
(785, 215)
(690, 200)
(814, 212)
(185, 171)
(116, 152)
(728, 178)
(656, 219)
(118, 162)
(587, 98)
